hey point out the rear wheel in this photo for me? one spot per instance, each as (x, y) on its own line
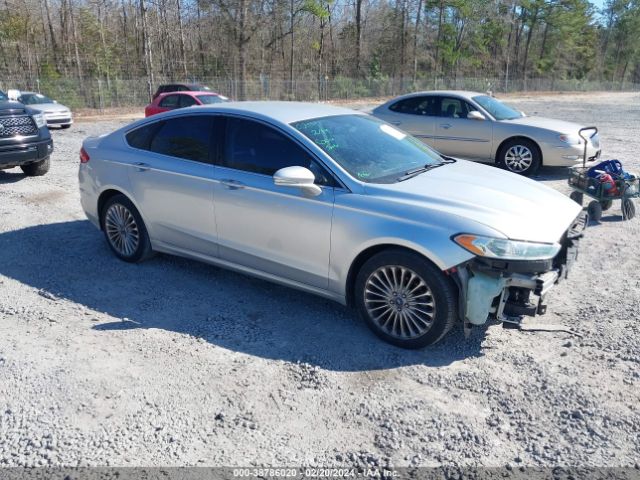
(520, 156)
(124, 230)
(36, 169)
(606, 204)
(404, 299)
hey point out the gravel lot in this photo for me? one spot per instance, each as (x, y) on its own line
(173, 362)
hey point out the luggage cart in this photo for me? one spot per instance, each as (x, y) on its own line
(582, 184)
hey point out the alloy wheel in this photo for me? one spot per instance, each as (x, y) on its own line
(400, 302)
(518, 158)
(122, 230)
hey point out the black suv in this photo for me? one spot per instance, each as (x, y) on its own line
(25, 140)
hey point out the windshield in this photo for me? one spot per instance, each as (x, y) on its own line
(3, 96)
(34, 99)
(209, 99)
(370, 150)
(499, 110)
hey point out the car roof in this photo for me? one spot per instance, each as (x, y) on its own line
(468, 94)
(284, 112)
(189, 92)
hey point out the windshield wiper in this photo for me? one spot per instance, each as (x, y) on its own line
(417, 171)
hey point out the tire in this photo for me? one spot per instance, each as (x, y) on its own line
(520, 156)
(430, 287)
(37, 169)
(595, 210)
(120, 217)
(606, 204)
(628, 209)
(64, 127)
(577, 197)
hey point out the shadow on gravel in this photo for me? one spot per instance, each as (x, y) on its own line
(71, 261)
(550, 174)
(11, 177)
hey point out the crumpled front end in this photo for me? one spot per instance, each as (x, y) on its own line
(507, 290)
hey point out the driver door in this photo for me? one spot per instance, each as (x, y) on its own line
(458, 136)
(274, 229)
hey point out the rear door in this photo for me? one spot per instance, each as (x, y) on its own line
(415, 115)
(172, 180)
(458, 136)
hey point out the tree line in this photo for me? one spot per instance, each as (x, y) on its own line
(289, 41)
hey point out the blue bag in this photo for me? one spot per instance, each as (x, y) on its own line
(612, 167)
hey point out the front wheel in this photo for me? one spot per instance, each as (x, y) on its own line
(520, 156)
(36, 169)
(124, 230)
(595, 210)
(404, 299)
(577, 197)
(628, 209)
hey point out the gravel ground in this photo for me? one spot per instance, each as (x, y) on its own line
(173, 362)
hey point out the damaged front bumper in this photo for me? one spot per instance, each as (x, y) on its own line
(507, 290)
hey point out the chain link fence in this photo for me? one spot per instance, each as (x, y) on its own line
(118, 93)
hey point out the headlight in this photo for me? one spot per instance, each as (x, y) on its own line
(570, 139)
(40, 120)
(506, 249)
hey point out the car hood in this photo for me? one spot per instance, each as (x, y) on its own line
(519, 208)
(49, 107)
(559, 126)
(8, 107)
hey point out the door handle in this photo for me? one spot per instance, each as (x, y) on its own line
(232, 184)
(446, 126)
(142, 167)
(395, 122)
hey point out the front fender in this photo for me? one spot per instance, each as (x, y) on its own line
(355, 230)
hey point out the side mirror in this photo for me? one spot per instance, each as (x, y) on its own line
(55, 101)
(475, 115)
(299, 177)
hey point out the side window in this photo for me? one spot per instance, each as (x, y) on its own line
(257, 148)
(454, 108)
(186, 101)
(187, 137)
(140, 137)
(416, 106)
(170, 101)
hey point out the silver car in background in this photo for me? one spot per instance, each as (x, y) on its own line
(55, 114)
(475, 126)
(336, 203)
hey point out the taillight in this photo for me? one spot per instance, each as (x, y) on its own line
(84, 156)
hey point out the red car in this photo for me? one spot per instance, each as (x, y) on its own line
(172, 100)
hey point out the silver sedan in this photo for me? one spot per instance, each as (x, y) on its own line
(475, 126)
(56, 114)
(336, 203)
